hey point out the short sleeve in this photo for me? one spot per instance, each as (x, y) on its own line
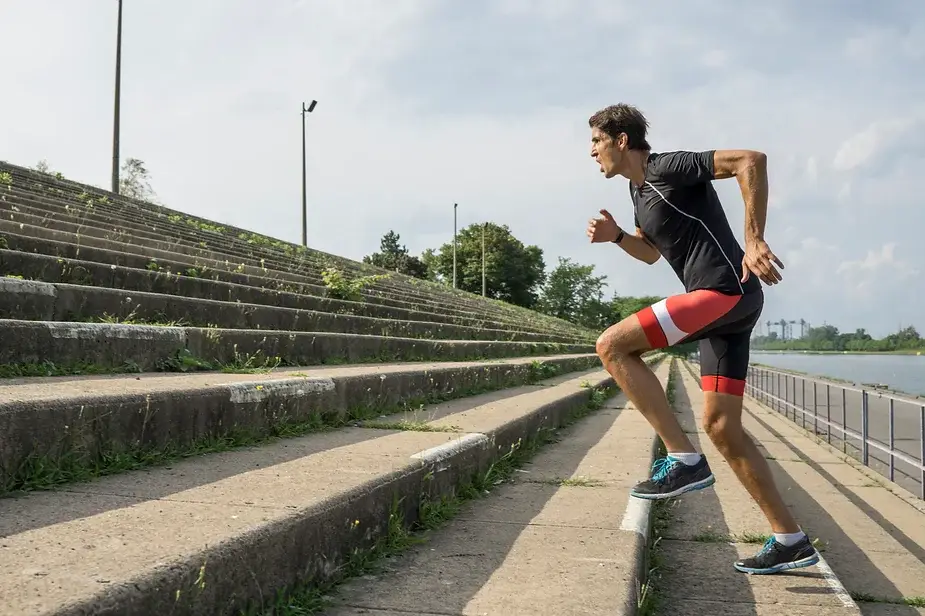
(685, 167)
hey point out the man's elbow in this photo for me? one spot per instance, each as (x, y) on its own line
(755, 160)
(653, 257)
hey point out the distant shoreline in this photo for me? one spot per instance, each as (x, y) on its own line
(814, 352)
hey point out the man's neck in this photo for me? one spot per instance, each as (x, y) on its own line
(637, 163)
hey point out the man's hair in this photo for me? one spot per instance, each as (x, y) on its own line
(622, 118)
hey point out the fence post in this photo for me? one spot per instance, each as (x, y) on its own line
(828, 414)
(864, 418)
(815, 418)
(802, 401)
(891, 439)
(844, 420)
(922, 451)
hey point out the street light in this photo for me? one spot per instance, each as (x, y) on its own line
(115, 121)
(454, 244)
(484, 225)
(305, 110)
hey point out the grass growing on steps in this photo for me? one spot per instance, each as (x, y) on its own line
(864, 597)
(309, 598)
(647, 603)
(38, 472)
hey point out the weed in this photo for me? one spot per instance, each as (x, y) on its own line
(869, 598)
(341, 287)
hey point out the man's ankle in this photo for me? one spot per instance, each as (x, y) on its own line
(687, 458)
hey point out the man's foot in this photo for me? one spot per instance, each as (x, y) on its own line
(672, 478)
(775, 557)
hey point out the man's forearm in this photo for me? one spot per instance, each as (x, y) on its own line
(639, 248)
(753, 182)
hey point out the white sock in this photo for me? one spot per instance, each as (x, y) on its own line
(788, 539)
(689, 459)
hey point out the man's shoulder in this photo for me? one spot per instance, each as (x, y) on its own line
(684, 165)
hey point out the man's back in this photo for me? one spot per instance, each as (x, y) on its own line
(679, 211)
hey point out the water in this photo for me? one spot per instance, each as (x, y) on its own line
(901, 372)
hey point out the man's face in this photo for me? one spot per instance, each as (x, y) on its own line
(608, 152)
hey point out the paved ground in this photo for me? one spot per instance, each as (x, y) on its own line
(543, 546)
(538, 545)
(872, 539)
(844, 408)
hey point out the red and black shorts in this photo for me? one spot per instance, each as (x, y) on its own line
(722, 323)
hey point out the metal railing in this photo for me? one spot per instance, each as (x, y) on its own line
(884, 432)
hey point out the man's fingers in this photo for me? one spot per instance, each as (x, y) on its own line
(606, 214)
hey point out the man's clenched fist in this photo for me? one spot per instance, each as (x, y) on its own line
(603, 229)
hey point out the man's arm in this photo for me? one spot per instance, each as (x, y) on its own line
(750, 169)
(640, 247)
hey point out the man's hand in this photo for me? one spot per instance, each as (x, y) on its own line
(603, 229)
(757, 260)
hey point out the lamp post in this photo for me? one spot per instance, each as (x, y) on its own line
(454, 244)
(305, 110)
(118, 94)
(484, 225)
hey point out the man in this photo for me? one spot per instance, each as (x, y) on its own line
(678, 215)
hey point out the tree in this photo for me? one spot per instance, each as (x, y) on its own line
(572, 292)
(513, 271)
(394, 256)
(133, 181)
(42, 166)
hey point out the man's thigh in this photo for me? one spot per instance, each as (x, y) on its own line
(724, 363)
(692, 316)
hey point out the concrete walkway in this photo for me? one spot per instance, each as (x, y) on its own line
(872, 540)
(562, 538)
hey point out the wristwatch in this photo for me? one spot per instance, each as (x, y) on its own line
(619, 237)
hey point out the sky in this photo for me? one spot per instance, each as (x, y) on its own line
(426, 103)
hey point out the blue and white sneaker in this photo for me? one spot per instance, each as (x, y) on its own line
(775, 557)
(671, 477)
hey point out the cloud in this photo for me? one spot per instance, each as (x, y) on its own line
(423, 104)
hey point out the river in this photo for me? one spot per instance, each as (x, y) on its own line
(904, 373)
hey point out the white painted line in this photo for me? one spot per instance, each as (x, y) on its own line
(247, 392)
(448, 449)
(33, 287)
(95, 331)
(835, 584)
(636, 518)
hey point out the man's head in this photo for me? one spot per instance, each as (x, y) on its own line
(615, 132)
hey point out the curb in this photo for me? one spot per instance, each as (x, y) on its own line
(312, 544)
(638, 519)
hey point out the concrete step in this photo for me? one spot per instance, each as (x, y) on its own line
(178, 258)
(561, 537)
(120, 208)
(121, 347)
(221, 247)
(20, 260)
(36, 209)
(29, 300)
(66, 427)
(235, 528)
(871, 541)
(57, 270)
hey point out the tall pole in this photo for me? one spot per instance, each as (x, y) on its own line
(455, 205)
(305, 110)
(118, 94)
(484, 224)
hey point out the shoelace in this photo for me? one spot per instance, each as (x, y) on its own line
(661, 468)
(767, 546)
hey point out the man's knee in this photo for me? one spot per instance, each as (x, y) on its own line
(616, 342)
(722, 419)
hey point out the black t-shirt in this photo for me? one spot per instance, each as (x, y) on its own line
(680, 213)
